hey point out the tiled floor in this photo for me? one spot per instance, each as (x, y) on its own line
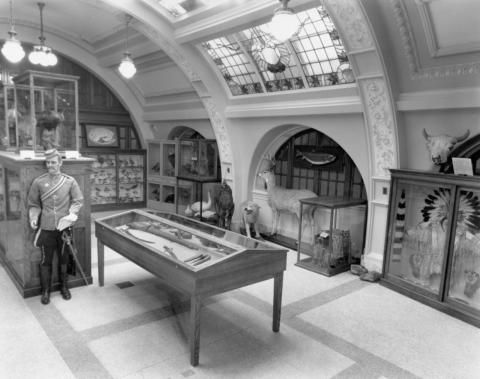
(337, 327)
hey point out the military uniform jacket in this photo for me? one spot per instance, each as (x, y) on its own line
(53, 198)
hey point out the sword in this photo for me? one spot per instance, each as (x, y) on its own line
(67, 239)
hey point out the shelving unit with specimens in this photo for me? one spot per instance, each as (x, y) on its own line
(117, 180)
(178, 173)
(433, 243)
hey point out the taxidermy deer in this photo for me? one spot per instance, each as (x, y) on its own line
(286, 200)
(440, 147)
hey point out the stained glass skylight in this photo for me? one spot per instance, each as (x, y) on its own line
(252, 61)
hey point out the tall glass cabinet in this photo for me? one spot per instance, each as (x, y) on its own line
(433, 244)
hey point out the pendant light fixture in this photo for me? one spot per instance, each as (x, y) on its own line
(12, 49)
(127, 67)
(285, 23)
(42, 54)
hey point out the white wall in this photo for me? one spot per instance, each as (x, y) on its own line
(453, 122)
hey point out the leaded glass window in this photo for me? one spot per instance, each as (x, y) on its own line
(251, 61)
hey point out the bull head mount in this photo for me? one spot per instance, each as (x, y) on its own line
(440, 147)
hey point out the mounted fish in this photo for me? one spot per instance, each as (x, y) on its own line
(317, 159)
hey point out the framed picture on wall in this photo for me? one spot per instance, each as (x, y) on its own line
(101, 135)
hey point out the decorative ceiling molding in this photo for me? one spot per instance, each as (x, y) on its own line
(381, 123)
(378, 107)
(432, 40)
(340, 105)
(218, 124)
(410, 48)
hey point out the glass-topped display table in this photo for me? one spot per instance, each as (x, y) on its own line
(192, 257)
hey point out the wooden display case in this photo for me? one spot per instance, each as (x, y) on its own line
(46, 112)
(17, 253)
(162, 169)
(432, 249)
(177, 170)
(192, 257)
(198, 159)
(337, 235)
(117, 179)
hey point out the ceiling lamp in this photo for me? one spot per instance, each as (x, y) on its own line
(285, 23)
(42, 54)
(127, 67)
(12, 49)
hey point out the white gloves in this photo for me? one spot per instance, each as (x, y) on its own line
(67, 221)
(72, 217)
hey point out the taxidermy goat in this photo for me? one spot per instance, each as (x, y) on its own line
(286, 200)
(48, 123)
(224, 205)
(441, 146)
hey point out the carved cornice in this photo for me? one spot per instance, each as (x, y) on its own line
(410, 48)
(381, 125)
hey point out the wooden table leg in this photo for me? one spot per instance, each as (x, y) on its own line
(277, 300)
(194, 333)
(101, 262)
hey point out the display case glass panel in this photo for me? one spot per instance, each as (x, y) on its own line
(464, 282)
(2, 195)
(169, 159)
(46, 111)
(177, 243)
(421, 221)
(3, 117)
(333, 235)
(130, 178)
(198, 159)
(104, 179)
(8, 115)
(153, 164)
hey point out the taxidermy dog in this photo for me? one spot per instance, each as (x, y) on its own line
(224, 205)
(250, 212)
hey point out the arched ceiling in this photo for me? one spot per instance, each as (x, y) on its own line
(424, 47)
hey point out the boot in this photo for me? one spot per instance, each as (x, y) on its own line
(63, 283)
(45, 281)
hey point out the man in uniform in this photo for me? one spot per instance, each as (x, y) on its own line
(52, 197)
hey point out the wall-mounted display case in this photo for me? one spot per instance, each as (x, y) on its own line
(46, 112)
(117, 180)
(19, 256)
(195, 258)
(433, 243)
(333, 236)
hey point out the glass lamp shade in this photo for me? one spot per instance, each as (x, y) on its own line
(127, 67)
(43, 56)
(284, 24)
(270, 55)
(12, 50)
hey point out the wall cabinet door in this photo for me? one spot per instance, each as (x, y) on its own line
(433, 243)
